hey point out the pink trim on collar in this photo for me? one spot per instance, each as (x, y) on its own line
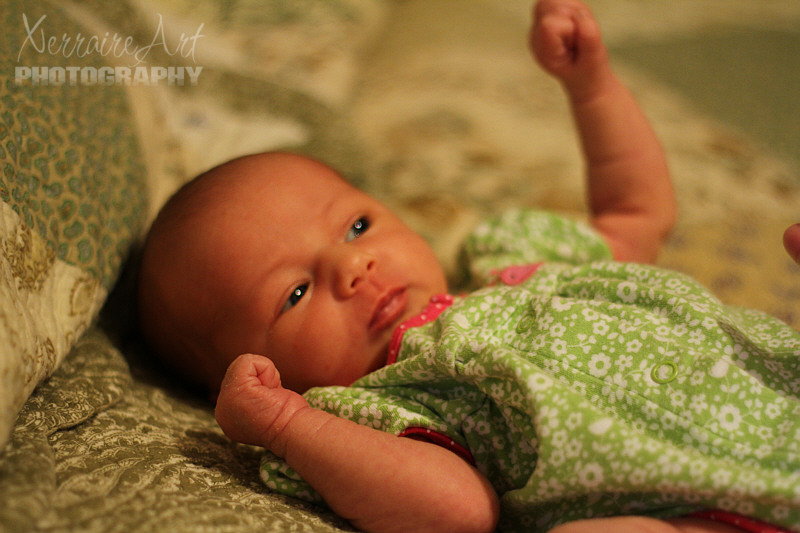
(437, 304)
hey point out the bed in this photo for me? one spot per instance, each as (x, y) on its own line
(433, 106)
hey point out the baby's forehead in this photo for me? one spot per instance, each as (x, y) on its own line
(262, 189)
(276, 168)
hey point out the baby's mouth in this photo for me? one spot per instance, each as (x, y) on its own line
(389, 308)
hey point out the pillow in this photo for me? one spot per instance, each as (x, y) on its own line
(72, 198)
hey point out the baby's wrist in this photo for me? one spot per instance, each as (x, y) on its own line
(591, 86)
(279, 434)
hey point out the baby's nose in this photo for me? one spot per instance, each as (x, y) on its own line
(350, 268)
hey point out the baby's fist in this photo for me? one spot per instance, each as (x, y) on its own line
(252, 406)
(565, 40)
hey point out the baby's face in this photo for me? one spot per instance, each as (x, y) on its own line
(313, 273)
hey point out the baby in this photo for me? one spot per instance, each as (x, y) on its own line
(575, 387)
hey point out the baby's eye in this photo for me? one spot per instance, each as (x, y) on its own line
(359, 226)
(297, 293)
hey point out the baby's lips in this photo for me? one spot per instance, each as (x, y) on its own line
(389, 308)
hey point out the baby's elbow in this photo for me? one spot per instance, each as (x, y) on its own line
(485, 520)
(462, 515)
(477, 512)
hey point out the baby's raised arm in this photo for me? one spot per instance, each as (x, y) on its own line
(377, 481)
(629, 187)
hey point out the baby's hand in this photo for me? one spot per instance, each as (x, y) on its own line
(791, 241)
(253, 407)
(565, 40)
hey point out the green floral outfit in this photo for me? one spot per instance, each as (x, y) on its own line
(583, 387)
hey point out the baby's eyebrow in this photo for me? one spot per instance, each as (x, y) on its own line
(267, 287)
(328, 206)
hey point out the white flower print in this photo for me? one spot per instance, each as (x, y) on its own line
(559, 438)
(730, 418)
(696, 336)
(492, 303)
(537, 343)
(626, 291)
(668, 420)
(551, 365)
(573, 448)
(483, 428)
(589, 475)
(765, 433)
(664, 331)
(573, 420)
(638, 477)
(548, 417)
(496, 390)
(697, 378)
(614, 390)
(370, 416)
(545, 321)
(590, 315)
(559, 347)
(697, 468)
(720, 478)
(539, 382)
(670, 464)
(600, 328)
(752, 483)
(624, 362)
(634, 346)
(599, 365)
(561, 304)
(772, 409)
(678, 398)
(558, 330)
(709, 323)
(346, 411)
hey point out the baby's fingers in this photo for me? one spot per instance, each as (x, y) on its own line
(791, 241)
(252, 406)
(553, 42)
(567, 43)
(253, 370)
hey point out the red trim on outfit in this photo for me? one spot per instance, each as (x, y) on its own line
(742, 522)
(440, 439)
(437, 304)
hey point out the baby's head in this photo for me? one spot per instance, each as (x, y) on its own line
(276, 254)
